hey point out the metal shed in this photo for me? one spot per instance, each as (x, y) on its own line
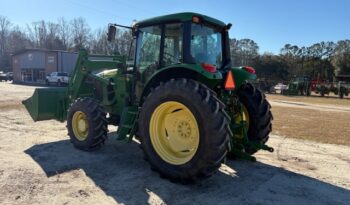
(32, 65)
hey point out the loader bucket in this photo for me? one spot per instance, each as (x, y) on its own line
(47, 103)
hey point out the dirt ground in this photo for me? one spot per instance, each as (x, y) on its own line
(38, 165)
(313, 118)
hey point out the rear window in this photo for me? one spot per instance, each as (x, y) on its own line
(62, 74)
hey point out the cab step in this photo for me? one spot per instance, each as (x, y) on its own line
(127, 123)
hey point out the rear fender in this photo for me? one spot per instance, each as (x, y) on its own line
(241, 76)
(189, 71)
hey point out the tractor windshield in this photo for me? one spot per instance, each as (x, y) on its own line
(206, 45)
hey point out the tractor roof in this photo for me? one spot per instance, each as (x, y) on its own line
(179, 17)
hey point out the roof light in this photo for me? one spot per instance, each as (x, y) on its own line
(209, 67)
(249, 69)
(230, 82)
(196, 19)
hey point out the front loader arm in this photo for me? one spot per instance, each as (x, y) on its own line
(85, 67)
(52, 103)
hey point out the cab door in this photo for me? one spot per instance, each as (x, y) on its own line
(157, 46)
(147, 59)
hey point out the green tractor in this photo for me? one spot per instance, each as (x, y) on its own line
(180, 97)
(298, 86)
(339, 89)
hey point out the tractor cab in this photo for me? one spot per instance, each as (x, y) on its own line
(177, 41)
(192, 41)
(187, 38)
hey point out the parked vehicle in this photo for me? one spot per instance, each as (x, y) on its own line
(3, 76)
(341, 89)
(57, 78)
(280, 87)
(9, 76)
(6, 76)
(264, 85)
(298, 85)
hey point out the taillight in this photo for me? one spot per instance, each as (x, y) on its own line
(230, 81)
(249, 69)
(209, 67)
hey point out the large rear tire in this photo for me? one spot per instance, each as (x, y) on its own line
(259, 115)
(87, 124)
(183, 130)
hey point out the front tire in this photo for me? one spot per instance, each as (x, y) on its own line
(183, 130)
(87, 124)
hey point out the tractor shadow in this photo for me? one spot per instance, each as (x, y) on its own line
(120, 171)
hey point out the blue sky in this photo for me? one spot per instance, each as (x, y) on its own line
(271, 23)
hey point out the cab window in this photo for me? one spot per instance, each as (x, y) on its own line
(206, 45)
(148, 48)
(172, 53)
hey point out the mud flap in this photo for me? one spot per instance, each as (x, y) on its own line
(47, 103)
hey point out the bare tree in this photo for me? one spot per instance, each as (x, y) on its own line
(53, 40)
(38, 33)
(5, 26)
(99, 43)
(65, 33)
(19, 40)
(80, 33)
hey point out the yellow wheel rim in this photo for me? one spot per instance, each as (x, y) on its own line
(174, 132)
(80, 125)
(244, 117)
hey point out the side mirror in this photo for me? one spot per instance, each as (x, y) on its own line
(228, 26)
(111, 33)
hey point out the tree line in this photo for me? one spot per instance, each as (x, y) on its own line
(324, 59)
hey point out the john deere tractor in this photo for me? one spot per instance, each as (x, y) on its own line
(298, 86)
(180, 97)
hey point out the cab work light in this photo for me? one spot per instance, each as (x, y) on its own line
(196, 19)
